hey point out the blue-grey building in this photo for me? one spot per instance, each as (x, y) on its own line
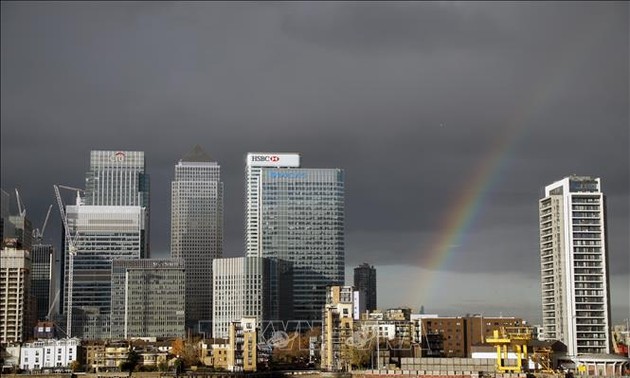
(297, 214)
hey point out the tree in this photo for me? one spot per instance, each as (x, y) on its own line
(132, 361)
(293, 348)
(75, 366)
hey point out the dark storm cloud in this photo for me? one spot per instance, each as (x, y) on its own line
(410, 98)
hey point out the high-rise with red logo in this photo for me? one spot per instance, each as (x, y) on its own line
(297, 214)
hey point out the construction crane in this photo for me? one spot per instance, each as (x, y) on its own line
(72, 249)
(38, 234)
(20, 205)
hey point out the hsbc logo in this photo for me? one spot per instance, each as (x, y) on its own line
(269, 158)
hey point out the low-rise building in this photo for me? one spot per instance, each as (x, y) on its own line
(238, 353)
(50, 353)
(337, 327)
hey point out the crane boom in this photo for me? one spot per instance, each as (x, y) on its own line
(72, 250)
(39, 234)
(20, 205)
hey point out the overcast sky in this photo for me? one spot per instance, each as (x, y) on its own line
(449, 119)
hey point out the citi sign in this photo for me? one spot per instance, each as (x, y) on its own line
(118, 156)
(266, 158)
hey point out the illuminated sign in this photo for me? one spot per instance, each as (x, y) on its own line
(273, 160)
(287, 175)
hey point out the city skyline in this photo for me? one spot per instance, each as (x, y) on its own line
(448, 120)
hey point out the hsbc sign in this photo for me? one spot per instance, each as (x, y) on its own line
(273, 160)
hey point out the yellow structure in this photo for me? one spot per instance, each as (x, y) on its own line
(515, 337)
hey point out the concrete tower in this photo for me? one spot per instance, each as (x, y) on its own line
(574, 272)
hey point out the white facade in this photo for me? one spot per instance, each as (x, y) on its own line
(239, 291)
(574, 279)
(51, 353)
(15, 283)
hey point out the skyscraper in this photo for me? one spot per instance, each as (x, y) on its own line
(197, 230)
(43, 277)
(574, 272)
(365, 282)
(250, 287)
(117, 178)
(297, 214)
(15, 299)
(104, 234)
(111, 222)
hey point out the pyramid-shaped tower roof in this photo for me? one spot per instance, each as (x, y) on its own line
(197, 154)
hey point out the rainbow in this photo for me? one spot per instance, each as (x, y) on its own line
(488, 172)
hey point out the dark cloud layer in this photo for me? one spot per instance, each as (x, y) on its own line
(411, 99)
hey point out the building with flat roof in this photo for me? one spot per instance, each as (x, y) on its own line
(574, 265)
(43, 278)
(297, 214)
(365, 282)
(252, 287)
(15, 295)
(148, 298)
(104, 234)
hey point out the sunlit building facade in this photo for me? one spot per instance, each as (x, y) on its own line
(15, 298)
(574, 271)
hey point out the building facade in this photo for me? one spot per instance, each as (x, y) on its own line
(43, 354)
(365, 282)
(337, 328)
(117, 178)
(103, 234)
(574, 271)
(111, 222)
(15, 295)
(43, 278)
(251, 287)
(148, 298)
(197, 230)
(297, 214)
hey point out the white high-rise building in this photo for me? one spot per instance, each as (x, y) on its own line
(197, 231)
(297, 215)
(574, 272)
(15, 295)
(249, 287)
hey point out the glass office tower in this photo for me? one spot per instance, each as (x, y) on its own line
(297, 214)
(197, 230)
